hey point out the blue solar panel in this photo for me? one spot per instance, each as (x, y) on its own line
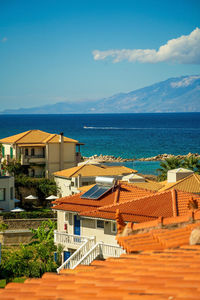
(90, 192)
(96, 192)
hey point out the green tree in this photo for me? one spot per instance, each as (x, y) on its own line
(192, 163)
(168, 164)
(3, 226)
(15, 168)
(44, 233)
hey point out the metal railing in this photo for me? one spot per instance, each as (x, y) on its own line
(88, 252)
(66, 239)
(72, 261)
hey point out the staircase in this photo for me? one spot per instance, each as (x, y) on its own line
(88, 252)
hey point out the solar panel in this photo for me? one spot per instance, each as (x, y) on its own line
(90, 192)
(96, 192)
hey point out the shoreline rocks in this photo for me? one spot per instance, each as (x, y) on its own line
(111, 158)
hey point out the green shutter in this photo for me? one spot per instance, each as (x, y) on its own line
(11, 152)
(3, 151)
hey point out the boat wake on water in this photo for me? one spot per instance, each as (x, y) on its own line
(138, 128)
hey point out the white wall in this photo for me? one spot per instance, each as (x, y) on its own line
(88, 227)
(7, 182)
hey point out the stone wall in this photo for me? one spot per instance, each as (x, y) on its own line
(24, 223)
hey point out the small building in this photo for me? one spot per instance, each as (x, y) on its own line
(70, 180)
(43, 153)
(7, 193)
(178, 174)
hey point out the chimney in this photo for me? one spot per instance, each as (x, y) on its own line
(61, 149)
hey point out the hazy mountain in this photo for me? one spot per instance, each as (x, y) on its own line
(181, 94)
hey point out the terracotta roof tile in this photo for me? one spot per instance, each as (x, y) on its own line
(190, 184)
(150, 275)
(76, 203)
(35, 137)
(162, 204)
(89, 170)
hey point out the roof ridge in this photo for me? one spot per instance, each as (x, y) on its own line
(51, 136)
(197, 176)
(25, 133)
(79, 168)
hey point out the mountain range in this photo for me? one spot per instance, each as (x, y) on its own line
(180, 94)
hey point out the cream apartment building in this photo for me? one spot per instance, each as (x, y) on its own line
(42, 152)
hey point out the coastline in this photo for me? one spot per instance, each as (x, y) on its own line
(111, 158)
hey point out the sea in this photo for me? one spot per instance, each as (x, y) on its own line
(125, 135)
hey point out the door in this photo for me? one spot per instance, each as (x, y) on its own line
(66, 255)
(77, 225)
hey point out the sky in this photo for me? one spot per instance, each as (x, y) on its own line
(55, 51)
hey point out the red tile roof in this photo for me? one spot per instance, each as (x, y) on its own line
(165, 204)
(121, 194)
(151, 275)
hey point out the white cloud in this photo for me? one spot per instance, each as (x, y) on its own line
(3, 40)
(183, 50)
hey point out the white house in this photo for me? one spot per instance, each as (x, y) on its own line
(70, 180)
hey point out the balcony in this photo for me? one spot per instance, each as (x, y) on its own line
(35, 159)
(69, 240)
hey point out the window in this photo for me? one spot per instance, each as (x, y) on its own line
(32, 152)
(100, 224)
(2, 194)
(11, 193)
(113, 227)
(26, 152)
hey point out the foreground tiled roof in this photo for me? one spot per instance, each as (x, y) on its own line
(165, 204)
(35, 137)
(89, 170)
(77, 204)
(151, 275)
(157, 239)
(190, 184)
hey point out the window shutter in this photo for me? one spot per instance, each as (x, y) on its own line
(3, 151)
(11, 152)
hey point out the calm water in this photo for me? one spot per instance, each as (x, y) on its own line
(125, 135)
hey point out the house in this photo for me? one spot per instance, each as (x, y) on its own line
(160, 263)
(7, 193)
(91, 215)
(73, 228)
(70, 180)
(43, 153)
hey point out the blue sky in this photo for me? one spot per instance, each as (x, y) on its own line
(54, 51)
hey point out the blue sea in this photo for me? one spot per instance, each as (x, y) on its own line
(125, 135)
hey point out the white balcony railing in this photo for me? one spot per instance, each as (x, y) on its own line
(87, 252)
(68, 239)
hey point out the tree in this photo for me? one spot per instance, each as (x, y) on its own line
(44, 233)
(192, 163)
(169, 164)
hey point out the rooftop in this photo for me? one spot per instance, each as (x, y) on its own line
(169, 272)
(190, 184)
(120, 194)
(35, 137)
(148, 207)
(89, 170)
